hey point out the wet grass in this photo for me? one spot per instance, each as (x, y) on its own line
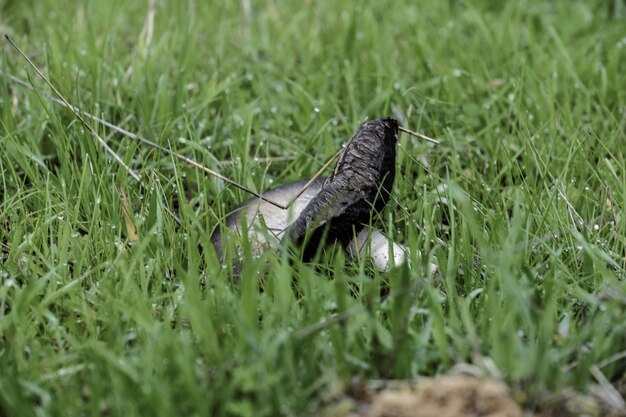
(521, 207)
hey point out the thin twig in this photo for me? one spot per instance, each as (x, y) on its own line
(76, 113)
(130, 135)
(418, 135)
(264, 160)
(315, 177)
(145, 141)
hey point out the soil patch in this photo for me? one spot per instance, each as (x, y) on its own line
(451, 396)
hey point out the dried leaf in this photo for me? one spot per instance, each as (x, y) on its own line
(131, 229)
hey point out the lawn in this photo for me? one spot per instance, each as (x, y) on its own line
(108, 306)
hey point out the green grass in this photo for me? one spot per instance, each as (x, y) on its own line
(521, 207)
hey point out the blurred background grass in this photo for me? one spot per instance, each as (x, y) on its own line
(521, 207)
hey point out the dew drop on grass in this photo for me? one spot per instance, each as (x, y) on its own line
(596, 227)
